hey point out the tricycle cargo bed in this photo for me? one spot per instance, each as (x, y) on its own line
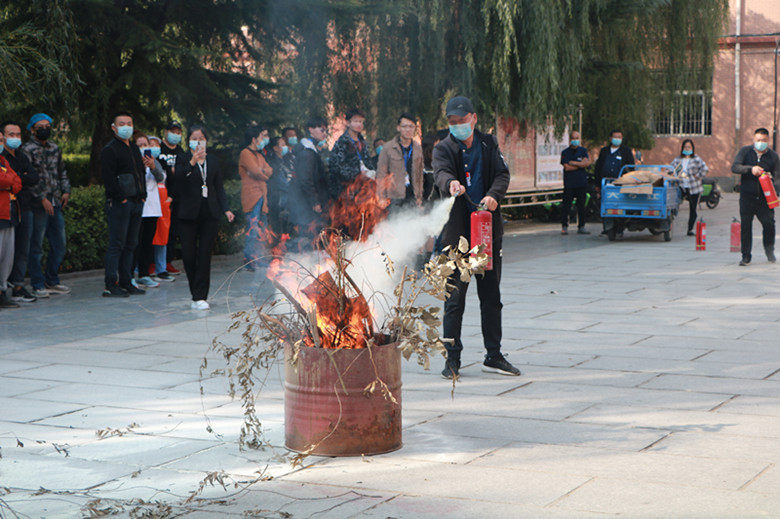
(615, 204)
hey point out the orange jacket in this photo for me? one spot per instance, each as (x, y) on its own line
(10, 184)
(254, 171)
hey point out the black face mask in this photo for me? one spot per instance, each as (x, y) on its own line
(43, 133)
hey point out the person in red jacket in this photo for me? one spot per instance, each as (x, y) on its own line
(10, 184)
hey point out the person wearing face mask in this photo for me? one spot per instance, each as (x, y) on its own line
(692, 170)
(612, 158)
(50, 198)
(170, 150)
(751, 162)
(123, 170)
(290, 138)
(348, 155)
(160, 239)
(152, 210)
(308, 191)
(402, 160)
(373, 162)
(23, 232)
(255, 173)
(470, 162)
(202, 203)
(281, 161)
(575, 182)
(10, 185)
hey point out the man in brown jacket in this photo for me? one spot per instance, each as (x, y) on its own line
(401, 160)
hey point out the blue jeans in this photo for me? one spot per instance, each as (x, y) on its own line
(124, 227)
(160, 255)
(21, 248)
(256, 224)
(53, 229)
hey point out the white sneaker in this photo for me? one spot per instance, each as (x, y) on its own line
(40, 292)
(200, 305)
(57, 289)
(148, 282)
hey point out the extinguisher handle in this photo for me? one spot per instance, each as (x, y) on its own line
(478, 206)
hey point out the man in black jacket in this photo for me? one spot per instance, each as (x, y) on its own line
(751, 162)
(469, 161)
(308, 192)
(22, 166)
(122, 168)
(612, 158)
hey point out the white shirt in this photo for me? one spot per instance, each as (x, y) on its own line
(152, 206)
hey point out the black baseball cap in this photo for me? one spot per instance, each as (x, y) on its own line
(173, 124)
(459, 106)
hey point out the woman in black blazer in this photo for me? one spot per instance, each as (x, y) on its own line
(202, 202)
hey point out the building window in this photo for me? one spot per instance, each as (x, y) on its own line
(686, 113)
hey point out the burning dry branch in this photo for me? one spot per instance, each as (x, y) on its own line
(331, 312)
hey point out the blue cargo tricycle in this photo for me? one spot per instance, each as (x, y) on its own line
(635, 211)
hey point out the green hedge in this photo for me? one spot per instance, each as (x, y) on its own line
(86, 228)
(77, 166)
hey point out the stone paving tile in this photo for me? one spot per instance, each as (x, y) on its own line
(425, 478)
(25, 410)
(734, 386)
(699, 367)
(653, 500)
(89, 357)
(113, 377)
(13, 386)
(656, 467)
(719, 445)
(753, 405)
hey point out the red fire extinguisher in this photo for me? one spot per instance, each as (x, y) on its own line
(482, 232)
(769, 191)
(701, 235)
(736, 236)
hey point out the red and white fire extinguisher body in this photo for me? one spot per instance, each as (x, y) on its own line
(482, 233)
(769, 191)
(736, 236)
(701, 235)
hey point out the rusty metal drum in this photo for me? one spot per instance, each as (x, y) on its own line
(326, 405)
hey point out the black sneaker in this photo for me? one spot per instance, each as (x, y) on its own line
(451, 369)
(133, 290)
(745, 261)
(115, 291)
(165, 277)
(770, 256)
(691, 233)
(581, 230)
(498, 364)
(21, 295)
(564, 230)
(5, 301)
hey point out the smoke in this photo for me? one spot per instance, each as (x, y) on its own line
(400, 238)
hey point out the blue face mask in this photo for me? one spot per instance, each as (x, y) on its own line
(193, 145)
(761, 146)
(285, 150)
(173, 138)
(379, 149)
(461, 131)
(292, 141)
(322, 143)
(124, 132)
(616, 142)
(13, 142)
(2, 147)
(262, 144)
(687, 152)
(155, 151)
(575, 142)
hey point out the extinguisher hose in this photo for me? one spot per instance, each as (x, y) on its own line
(478, 206)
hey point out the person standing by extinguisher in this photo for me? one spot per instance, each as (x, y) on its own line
(469, 161)
(692, 170)
(751, 162)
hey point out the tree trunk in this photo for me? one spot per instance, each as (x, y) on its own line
(101, 135)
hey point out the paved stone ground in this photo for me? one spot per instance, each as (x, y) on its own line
(650, 388)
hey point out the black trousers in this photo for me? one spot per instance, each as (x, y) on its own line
(569, 193)
(197, 241)
(693, 204)
(145, 251)
(489, 307)
(173, 232)
(124, 224)
(755, 205)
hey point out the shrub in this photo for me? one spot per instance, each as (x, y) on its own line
(77, 166)
(86, 229)
(230, 236)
